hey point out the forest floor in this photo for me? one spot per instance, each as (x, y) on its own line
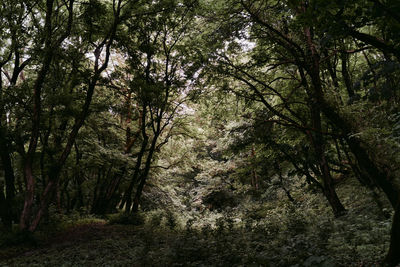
(256, 233)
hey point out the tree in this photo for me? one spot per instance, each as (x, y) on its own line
(157, 84)
(291, 45)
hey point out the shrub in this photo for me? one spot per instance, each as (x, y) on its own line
(127, 218)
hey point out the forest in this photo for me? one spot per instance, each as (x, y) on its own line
(199, 133)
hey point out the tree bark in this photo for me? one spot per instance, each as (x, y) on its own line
(313, 69)
(29, 197)
(4, 210)
(328, 186)
(127, 198)
(8, 213)
(393, 256)
(346, 76)
(143, 177)
(37, 102)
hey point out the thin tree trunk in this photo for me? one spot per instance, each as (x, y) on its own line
(29, 197)
(8, 213)
(100, 203)
(4, 210)
(127, 198)
(393, 256)
(143, 177)
(346, 76)
(318, 142)
(328, 186)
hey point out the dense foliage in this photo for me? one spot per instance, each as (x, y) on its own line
(231, 132)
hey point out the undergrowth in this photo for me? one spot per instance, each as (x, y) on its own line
(255, 233)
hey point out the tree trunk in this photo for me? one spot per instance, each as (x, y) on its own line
(393, 256)
(4, 211)
(146, 170)
(364, 161)
(313, 70)
(328, 186)
(127, 198)
(346, 76)
(102, 202)
(112, 189)
(377, 176)
(29, 196)
(46, 197)
(7, 207)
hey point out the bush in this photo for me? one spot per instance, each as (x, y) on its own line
(171, 220)
(127, 219)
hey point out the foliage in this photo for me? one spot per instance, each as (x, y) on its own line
(213, 132)
(285, 234)
(126, 218)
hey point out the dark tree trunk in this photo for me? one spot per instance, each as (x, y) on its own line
(47, 196)
(373, 172)
(316, 94)
(346, 76)
(342, 126)
(110, 197)
(374, 175)
(356, 170)
(364, 161)
(77, 201)
(393, 256)
(29, 197)
(328, 186)
(7, 207)
(101, 204)
(143, 177)
(4, 211)
(127, 198)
